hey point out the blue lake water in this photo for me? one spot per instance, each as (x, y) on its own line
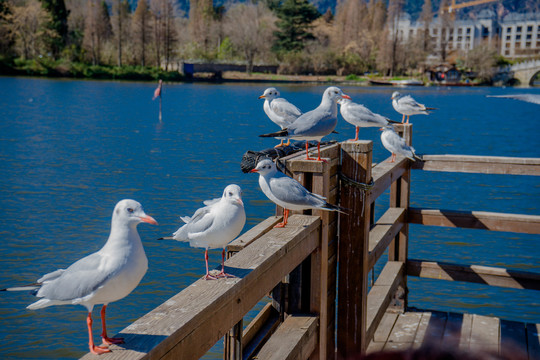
(69, 150)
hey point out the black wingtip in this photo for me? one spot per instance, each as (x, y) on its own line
(283, 132)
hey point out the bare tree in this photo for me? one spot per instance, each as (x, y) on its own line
(201, 16)
(250, 28)
(140, 26)
(164, 30)
(29, 25)
(97, 29)
(351, 20)
(445, 27)
(122, 11)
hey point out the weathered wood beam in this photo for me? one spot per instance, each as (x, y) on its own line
(385, 173)
(295, 339)
(479, 164)
(529, 224)
(187, 325)
(253, 234)
(383, 232)
(259, 330)
(474, 273)
(381, 294)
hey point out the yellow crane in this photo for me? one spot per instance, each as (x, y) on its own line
(455, 6)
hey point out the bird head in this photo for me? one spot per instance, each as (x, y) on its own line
(395, 95)
(270, 94)
(131, 212)
(265, 166)
(233, 193)
(334, 94)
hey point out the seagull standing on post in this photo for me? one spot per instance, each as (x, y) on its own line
(287, 192)
(396, 144)
(279, 110)
(360, 116)
(315, 124)
(406, 105)
(102, 277)
(215, 225)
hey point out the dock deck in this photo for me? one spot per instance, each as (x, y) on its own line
(468, 332)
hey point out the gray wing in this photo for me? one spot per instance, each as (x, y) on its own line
(409, 101)
(199, 222)
(285, 109)
(399, 146)
(211, 202)
(291, 191)
(532, 98)
(79, 280)
(313, 123)
(364, 114)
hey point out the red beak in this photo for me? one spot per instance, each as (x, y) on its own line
(262, 96)
(254, 171)
(346, 97)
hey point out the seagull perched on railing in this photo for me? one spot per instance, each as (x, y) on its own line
(287, 192)
(396, 144)
(215, 225)
(315, 124)
(279, 110)
(406, 105)
(360, 116)
(102, 277)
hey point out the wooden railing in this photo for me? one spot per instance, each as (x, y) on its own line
(298, 265)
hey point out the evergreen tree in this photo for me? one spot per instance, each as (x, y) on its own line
(58, 23)
(295, 18)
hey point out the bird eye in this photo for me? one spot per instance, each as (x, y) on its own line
(230, 193)
(130, 210)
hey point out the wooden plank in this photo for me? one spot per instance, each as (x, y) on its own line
(513, 343)
(295, 339)
(533, 341)
(529, 224)
(384, 231)
(479, 164)
(260, 332)
(381, 294)
(253, 234)
(257, 323)
(457, 332)
(191, 322)
(474, 273)
(353, 251)
(404, 331)
(430, 329)
(384, 174)
(385, 327)
(485, 333)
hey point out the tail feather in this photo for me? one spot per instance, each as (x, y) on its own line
(23, 288)
(166, 238)
(283, 132)
(392, 121)
(331, 207)
(431, 108)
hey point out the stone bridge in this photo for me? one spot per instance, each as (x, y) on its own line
(525, 71)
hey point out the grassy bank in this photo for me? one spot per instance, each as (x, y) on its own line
(68, 69)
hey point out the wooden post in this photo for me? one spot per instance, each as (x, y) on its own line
(356, 160)
(399, 197)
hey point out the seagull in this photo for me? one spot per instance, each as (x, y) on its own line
(406, 105)
(396, 144)
(531, 98)
(102, 277)
(279, 110)
(360, 116)
(215, 225)
(287, 192)
(315, 124)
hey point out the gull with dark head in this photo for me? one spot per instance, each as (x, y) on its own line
(396, 144)
(407, 106)
(215, 225)
(279, 110)
(360, 116)
(102, 277)
(315, 124)
(287, 192)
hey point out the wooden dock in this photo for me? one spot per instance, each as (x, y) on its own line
(312, 313)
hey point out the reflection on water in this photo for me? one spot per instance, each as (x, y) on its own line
(69, 150)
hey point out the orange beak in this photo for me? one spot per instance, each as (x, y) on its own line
(262, 97)
(346, 97)
(253, 171)
(149, 219)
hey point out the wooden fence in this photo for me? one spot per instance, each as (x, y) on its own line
(298, 265)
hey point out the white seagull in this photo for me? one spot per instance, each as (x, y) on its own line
(406, 105)
(215, 225)
(360, 116)
(102, 277)
(396, 144)
(315, 124)
(279, 110)
(287, 192)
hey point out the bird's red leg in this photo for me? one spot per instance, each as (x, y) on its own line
(285, 218)
(307, 152)
(319, 152)
(408, 119)
(98, 350)
(403, 119)
(280, 145)
(107, 340)
(356, 137)
(223, 273)
(393, 158)
(288, 142)
(207, 276)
